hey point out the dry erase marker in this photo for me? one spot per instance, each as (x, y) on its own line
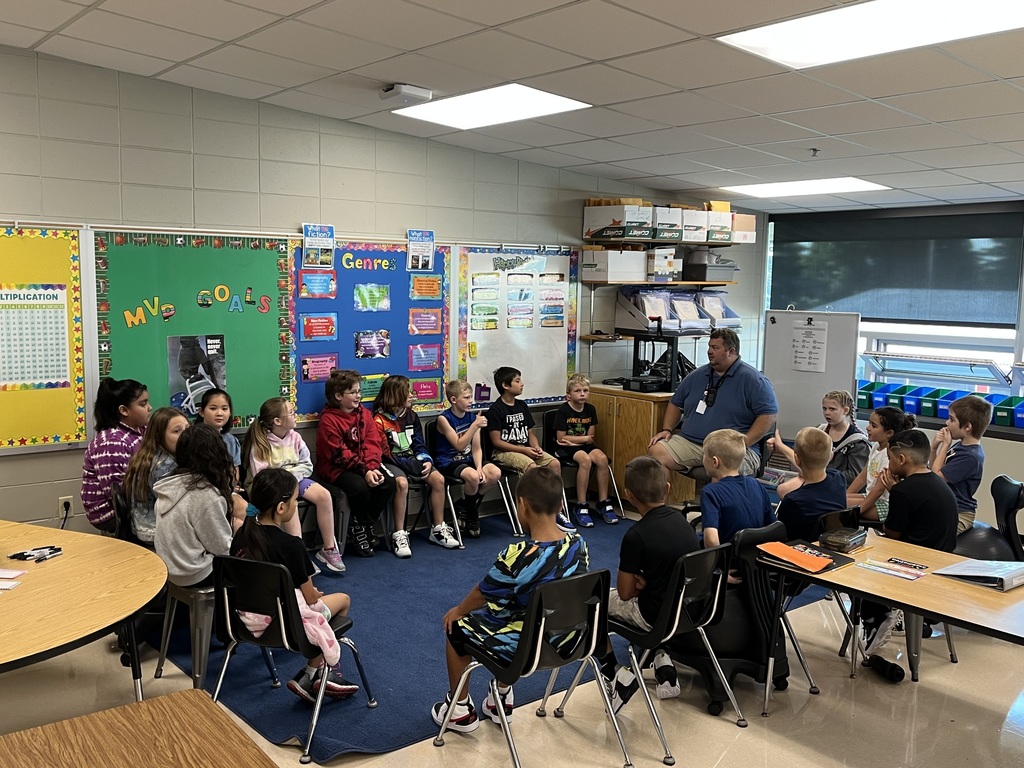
(48, 557)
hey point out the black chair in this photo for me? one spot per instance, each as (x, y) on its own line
(548, 444)
(695, 593)
(266, 588)
(566, 621)
(430, 438)
(123, 516)
(982, 541)
(504, 483)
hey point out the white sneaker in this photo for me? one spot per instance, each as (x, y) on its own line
(665, 674)
(884, 633)
(401, 542)
(442, 535)
(507, 701)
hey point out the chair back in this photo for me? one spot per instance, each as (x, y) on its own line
(566, 620)
(759, 584)
(833, 521)
(1008, 497)
(696, 592)
(547, 440)
(258, 587)
(122, 514)
(430, 437)
(744, 545)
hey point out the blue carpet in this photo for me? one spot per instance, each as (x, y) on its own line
(397, 608)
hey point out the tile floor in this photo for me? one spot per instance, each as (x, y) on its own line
(968, 714)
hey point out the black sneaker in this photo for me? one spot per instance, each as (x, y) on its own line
(665, 674)
(337, 686)
(302, 686)
(464, 719)
(360, 538)
(468, 516)
(624, 686)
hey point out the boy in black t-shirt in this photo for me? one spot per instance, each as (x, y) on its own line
(575, 424)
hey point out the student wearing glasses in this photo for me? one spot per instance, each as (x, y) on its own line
(727, 393)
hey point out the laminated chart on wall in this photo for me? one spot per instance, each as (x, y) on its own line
(184, 313)
(373, 308)
(517, 307)
(42, 370)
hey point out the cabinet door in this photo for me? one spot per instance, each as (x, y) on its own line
(605, 435)
(683, 488)
(633, 421)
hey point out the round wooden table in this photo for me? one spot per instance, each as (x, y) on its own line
(96, 585)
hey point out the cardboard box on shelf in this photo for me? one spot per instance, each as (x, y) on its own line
(668, 218)
(695, 226)
(598, 217)
(744, 228)
(718, 206)
(663, 266)
(613, 266)
(719, 227)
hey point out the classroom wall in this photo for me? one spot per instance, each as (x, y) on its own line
(81, 144)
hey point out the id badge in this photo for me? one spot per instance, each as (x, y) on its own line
(702, 406)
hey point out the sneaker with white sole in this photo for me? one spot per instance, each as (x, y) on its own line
(623, 687)
(665, 674)
(564, 523)
(442, 536)
(332, 559)
(302, 686)
(464, 719)
(581, 514)
(337, 686)
(884, 632)
(401, 543)
(507, 703)
(607, 512)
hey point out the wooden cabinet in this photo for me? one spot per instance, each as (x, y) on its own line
(628, 420)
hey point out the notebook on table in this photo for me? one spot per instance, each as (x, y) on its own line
(999, 574)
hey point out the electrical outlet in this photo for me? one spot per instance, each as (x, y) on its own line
(61, 501)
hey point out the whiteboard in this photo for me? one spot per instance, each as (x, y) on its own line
(517, 307)
(807, 354)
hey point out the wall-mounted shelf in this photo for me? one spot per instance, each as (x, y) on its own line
(701, 284)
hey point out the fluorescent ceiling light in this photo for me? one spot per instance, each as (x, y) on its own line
(880, 26)
(492, 106)
(810, 187)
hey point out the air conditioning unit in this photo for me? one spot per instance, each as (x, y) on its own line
(405, 95)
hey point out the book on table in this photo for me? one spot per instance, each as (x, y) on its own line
(801, 556)
(1000, 574)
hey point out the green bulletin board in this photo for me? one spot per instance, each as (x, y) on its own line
(182, 313)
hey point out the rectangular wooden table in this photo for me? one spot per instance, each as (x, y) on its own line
(978, 608)
(181, 728)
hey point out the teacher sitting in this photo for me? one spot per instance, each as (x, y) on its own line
(727, 393)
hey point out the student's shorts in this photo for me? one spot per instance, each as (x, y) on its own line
(965, 520)
(304, 484)
(565, 453)
(520, 463)
(626, 610)
(454, 470)
(687, 454)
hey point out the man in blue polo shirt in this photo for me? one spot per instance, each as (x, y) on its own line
(727, 393)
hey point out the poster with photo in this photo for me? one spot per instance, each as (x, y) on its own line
(371, 344)
(317, 367)
(371, 297)
(318, 285)
(420, 255)
(195, 364)
(318, 258)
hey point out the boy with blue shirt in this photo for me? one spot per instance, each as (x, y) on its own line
(731, 501)
(961, 464)
(823, 490)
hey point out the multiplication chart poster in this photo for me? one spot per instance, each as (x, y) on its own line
(42, 371)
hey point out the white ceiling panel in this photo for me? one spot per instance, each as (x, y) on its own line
(697, 64)
(996, 128)
(17, 36)
(713, 17)
(280, 7)
(491, 12)
(658, 182)
(916, 180)
(884, 198)
(718, 178)
(595, 29)
(38, 14)
(791, 171)
(681, 109)
(854, 166)
(103, 56)
(601, 170)
(996, 54)
(532, 133)
(408, 26)
(671, 140)
(603, 151)
(348, 88)
(965, 192)
(138, 36)
(598, 84)
(503, 55)
(920, 69)
(218, 19)
(993, 173)
(733, 157)
(828, 148)
(217, 82)
(316, 105)
(554, 159)
(243, 62)
(600, 122)
(670, 165)
(962, 102)
(1017, 187)
(399, 124)
(442, 78)
(962, 157)
(778, 93)
(754, 130)
(319, 47)
(911, 139)
(850, 118)
(479, 142)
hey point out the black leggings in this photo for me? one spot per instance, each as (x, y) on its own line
(366, 503)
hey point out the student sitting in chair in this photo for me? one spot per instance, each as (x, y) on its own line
(961, 464)
(493, 611)
(821, 490)
(731, 501)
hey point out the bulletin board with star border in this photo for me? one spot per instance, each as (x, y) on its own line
(154, 291)
(42, 375)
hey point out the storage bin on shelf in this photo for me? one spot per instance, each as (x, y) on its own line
(864, 390)
(717, 311)
(907, 398)
(879, 395)
(942, 406)
(994, 399)
(929, 403)
(1010, 412)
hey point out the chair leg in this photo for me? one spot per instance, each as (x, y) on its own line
(541, 711)
(740, 720)
(224, 667)
(503, 722)
(560, 709)
(949, 644)
(463, 684)
(306, 758)
(509, 500)
(615, 487)
(799, 653)
(200, 616)
(165, 634)
(371, 702)
(638, 670)
(268, 659)
(596, 668)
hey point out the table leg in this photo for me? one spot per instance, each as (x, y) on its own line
(854, 635)
(913, 623)
(133, 655)
(780, 589)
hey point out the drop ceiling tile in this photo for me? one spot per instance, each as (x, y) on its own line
(733, 157)
(218, 83)
(600, 122)
(814, 202)
(597, 84)
(920, 69)
(550, 158)
(210, 18)
(718, 178)
(442, 78)
(860, 166)
(39, 14)
(399, 124)
(246, 63)
(491, 12)
(665, 164)
(778, 93)
(604, 170)
(996, 128)
(1017, 187)
(659, 182)
(994, 173)
(596, 30)
(713, 17)
(962, 157)
(829, 148)
(696, 64)
(910, 139)
(280, 7)
(348, 88)
(603, 151)
(532, 133)
(17, 36)
(1012, 146)
(316, 105)
(138, 36)
(750, 130)
(504, 56)
(103, 56)
(998, 54)
(671, 140)
(887, 197)
(915, 179)
(961, 102)
(849, 118)
(392, 22)
(772, 206)
(479, 142)
(319, 47)
(962, 192)
(681, 109)
(785, 171)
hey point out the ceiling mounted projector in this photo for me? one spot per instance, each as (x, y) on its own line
(403, 94)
